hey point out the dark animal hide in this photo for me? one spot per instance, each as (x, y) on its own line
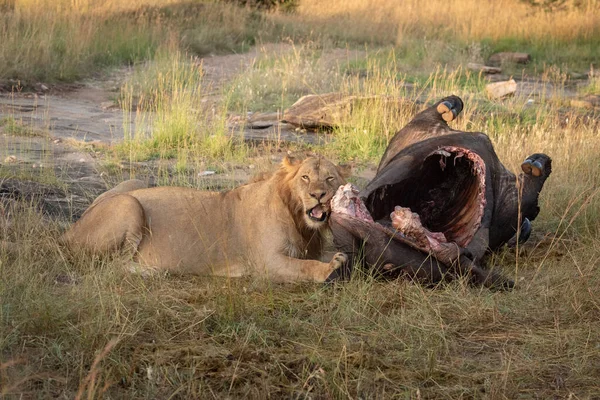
(440, 200)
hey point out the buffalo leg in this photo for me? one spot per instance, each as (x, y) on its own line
(536, 169)
(480, 276)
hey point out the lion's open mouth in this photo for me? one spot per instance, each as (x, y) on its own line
(441, 200)
(317, 213)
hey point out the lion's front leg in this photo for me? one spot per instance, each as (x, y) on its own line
(288, 269)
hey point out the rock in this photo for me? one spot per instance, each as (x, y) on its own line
(206, 173)
(263, 120)
(64, 279)
(318, 111)
(40, 87)
(508, 57)
(576, 75)
(589, 101)
(483, 68)
(332, 109)
(10, 160)
(498, 90)
(109, 105)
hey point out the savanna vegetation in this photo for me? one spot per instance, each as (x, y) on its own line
(74, 326)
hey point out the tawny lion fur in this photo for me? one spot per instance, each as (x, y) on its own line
(262, 228)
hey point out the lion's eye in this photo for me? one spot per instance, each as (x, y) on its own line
(305, 177)
(330, 179)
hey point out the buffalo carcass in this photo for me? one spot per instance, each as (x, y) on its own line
(440, 200)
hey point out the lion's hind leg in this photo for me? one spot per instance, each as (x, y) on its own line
(114, 224)
(123, 187)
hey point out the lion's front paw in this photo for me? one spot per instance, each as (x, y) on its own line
(338, 260)
(337, 268)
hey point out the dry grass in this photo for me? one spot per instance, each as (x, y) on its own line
(454, 32)
(75, 326)
(67, 40)
(464, 19)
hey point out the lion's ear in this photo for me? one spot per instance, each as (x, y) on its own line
(290, 162)
(344, 170)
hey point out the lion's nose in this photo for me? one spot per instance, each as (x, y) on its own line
(317, 194)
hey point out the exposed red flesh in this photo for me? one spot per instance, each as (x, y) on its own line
(459, 226)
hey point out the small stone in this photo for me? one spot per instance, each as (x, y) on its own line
(44, 88)
(82, 160)
(56, 141)
(10, 160)
(206, 173)
(499, 90)
(576, 75)
(63, 279)
(512, 57)
(589, 101)
(483, 68)
(108, 105)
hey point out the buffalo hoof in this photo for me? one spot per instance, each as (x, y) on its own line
(536, 165)
(449, 108)
(524, 234)
(525, 231)
(496, 281)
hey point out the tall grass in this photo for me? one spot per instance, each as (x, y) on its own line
(449, 31)
(464, 19)
(67, 40)
(173, 121)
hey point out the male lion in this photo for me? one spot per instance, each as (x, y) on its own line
(273, 227)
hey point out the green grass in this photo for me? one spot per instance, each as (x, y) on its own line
(592, 86)
(14, 127)
(575, 55)
(172, 120)
(277, 80)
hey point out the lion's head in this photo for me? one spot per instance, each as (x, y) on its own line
(308, 187)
